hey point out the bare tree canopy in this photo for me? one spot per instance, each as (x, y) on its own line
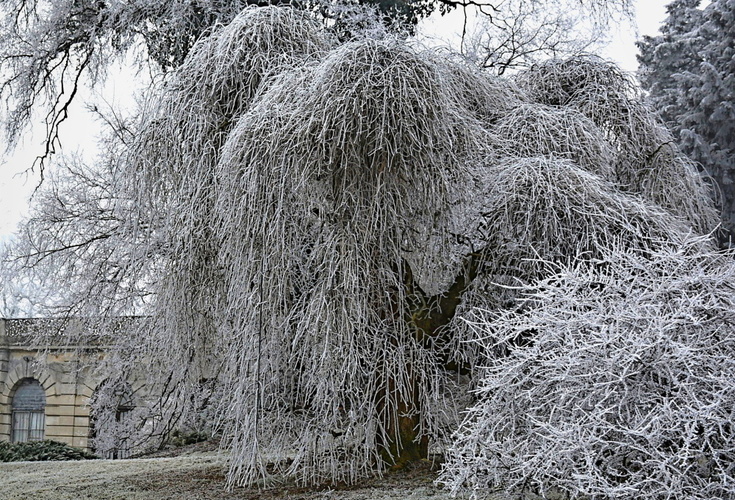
(307, 220)
(523, 33)
(50, 49)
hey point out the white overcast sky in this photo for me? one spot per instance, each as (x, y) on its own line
(80, 133)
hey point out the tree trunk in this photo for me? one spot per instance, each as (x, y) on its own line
(427, 318)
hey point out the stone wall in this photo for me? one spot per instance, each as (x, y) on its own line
(66, 373)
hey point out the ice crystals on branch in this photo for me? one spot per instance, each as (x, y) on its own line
(613, 380)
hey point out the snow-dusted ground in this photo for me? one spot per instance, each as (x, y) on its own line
(196, 476)
(108, 479)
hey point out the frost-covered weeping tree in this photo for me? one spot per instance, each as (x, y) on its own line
(332, 209)
(321, 215)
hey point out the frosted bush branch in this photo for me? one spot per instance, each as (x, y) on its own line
(609, 97)
(613, 380)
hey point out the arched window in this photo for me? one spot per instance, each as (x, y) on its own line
(29, 411)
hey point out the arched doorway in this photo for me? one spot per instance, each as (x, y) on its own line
(29, 412)
(111, 423)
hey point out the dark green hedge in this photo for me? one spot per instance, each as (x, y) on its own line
(41, 450)
(181, 438)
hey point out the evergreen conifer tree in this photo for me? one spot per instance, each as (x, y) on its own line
(689, 73)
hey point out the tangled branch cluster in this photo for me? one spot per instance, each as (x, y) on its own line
(622, 388)
(608, 97)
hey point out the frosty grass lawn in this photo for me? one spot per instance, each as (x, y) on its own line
(195, 476)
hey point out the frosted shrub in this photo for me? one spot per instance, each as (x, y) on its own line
(614, 379)
(116, 421)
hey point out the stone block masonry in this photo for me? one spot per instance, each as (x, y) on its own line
(64, 372)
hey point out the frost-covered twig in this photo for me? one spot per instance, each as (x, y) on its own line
(617, 382)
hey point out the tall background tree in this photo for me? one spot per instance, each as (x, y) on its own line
(689, 73)
(524, 33)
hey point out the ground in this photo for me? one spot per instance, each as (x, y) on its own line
(194, 473)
